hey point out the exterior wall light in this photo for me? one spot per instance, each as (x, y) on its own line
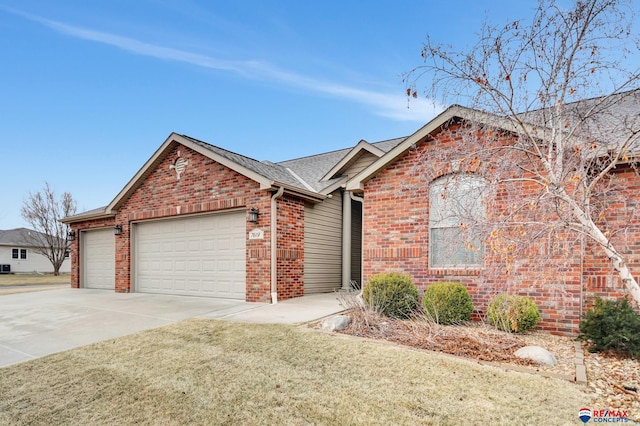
(253, 215)
(117, 229)
(71, 235)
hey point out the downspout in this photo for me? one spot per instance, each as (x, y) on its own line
(346, 241)
(361, 201)
(274, 242)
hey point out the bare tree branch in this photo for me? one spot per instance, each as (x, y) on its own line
(43, 211)
(566, 82)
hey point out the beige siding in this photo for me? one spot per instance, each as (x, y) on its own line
(361, 163)
(323, 245)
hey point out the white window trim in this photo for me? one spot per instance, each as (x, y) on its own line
(19, 257)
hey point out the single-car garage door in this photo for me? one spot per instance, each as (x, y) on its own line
(99, 259)
(196, 256)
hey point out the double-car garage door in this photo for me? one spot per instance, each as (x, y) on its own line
(195, 256)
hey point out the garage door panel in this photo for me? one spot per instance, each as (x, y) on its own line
(200, 256)
(99, 259)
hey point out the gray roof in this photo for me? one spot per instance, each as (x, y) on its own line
(607, 119)
(269, 170)
(618, 113)
(305, 173)
(314, 167)
(20, 237)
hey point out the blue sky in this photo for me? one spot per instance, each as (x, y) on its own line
(89, 90)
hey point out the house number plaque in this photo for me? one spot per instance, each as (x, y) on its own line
(256, 234)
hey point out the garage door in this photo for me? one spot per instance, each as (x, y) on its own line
(99, 264)
(198, 256)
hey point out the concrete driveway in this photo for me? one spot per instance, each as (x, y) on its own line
(40, 323)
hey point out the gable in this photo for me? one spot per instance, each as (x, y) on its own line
(452, 114)
(268, 176)
(362, 161)
(171, 145)
(355, 155)
(183, 177)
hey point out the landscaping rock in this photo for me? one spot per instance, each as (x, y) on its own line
(537, 354)
(336, 323)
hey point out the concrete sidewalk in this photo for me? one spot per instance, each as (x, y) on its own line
(40, 323)
(291, 311)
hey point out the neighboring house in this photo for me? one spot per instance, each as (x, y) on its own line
(19, 252)
(200, 220)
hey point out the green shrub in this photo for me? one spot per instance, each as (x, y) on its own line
(392, 294)
(612, 325)
(447, 303)
(515, 314)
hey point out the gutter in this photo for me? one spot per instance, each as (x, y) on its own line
(91, 215)
(274, 242)
(297, 191)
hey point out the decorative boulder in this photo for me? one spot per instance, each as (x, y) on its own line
(537, 354)
(336, 323)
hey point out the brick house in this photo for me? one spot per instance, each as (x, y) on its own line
(400, 235)
(200, 220)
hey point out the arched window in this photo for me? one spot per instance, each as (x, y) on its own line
(456, 204)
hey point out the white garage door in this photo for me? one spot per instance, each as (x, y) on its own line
(99, 259)
(197, 256)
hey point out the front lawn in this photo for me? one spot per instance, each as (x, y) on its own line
(216, 372)
(29, 279)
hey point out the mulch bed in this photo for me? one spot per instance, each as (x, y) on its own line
(476, 341)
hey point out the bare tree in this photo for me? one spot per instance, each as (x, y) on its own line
(43, 212)
(553, 120)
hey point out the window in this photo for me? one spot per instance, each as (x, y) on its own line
(455, 203)
(19, 253)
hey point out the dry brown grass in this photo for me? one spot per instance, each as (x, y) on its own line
(216, 372)
(30, 279)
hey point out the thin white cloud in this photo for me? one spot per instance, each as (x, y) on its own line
(393, 106)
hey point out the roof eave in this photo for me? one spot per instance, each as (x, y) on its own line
(84, 217)
(312, 196)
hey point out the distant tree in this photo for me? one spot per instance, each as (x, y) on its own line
(43, 211)
(559, 82)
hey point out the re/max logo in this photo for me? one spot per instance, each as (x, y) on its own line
(610, 413)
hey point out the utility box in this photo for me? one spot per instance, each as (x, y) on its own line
(5, 269)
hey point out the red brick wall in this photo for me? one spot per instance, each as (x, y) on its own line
(396, 238)
(207, 186)
(290, 247)
(621, 222)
